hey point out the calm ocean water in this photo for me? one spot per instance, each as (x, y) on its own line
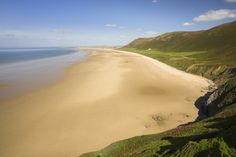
(12, 55)
(23, 70)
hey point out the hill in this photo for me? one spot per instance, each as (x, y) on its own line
(208, 53)
(212, 54)
(218, 39)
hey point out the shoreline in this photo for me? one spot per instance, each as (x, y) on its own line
(109, 96)
(165, 67)
(26, 76)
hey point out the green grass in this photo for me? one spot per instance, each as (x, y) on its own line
(201, 62)
(180, 60)
(220, 39)
(183, 60)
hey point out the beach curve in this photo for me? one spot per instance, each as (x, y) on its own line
(110, 96)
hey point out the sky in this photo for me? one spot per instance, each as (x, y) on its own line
(50, 23)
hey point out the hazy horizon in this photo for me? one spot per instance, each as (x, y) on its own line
(104, 23)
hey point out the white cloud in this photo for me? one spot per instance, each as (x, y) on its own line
(139, 29)
(214, 15)
(111, 25)
(59, 30)
(151, 33)
(115, 26)
(54, 37)
(231, 1)
(121, 27)
(188, 24)
(154, 1)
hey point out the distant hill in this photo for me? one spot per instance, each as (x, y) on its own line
(210, 53)
(220, 38)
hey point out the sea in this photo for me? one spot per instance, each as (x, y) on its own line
(26, 69)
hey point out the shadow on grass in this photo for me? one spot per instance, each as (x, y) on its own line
(218, 128)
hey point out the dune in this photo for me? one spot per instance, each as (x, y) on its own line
(110, 96)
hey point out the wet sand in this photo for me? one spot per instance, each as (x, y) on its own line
(112, 95)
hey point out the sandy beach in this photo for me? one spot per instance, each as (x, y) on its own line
(112, 95)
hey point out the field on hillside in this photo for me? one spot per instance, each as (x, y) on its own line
(203, 63)
(183, 60)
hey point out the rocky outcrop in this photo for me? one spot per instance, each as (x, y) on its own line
(216, 100)
(222, 97)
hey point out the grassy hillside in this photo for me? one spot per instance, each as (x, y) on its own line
(208, 53)
(218, 39)
(211, 53)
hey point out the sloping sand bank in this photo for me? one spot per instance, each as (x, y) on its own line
(110, 96)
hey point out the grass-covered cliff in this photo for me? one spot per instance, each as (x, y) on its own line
(211, 53)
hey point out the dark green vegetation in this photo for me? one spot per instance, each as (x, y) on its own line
(210, 53)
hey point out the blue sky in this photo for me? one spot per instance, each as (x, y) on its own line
(30, 23)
